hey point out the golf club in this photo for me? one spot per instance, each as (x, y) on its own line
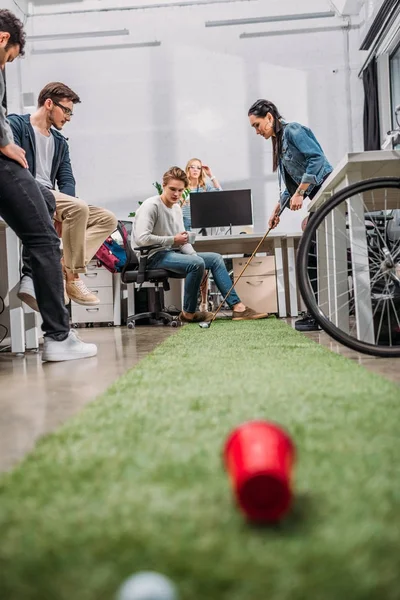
(207, 324)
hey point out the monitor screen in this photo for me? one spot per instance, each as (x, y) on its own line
(221, 209)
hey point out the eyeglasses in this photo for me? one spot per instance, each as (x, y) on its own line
(195, 167)
(67, 111)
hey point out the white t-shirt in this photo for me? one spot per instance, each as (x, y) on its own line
(44, 157)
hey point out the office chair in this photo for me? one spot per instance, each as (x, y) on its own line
(135, 271)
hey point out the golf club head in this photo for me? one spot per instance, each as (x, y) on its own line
(205, 324)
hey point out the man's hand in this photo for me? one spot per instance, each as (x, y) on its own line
(296, 202)
(181, 238)
(15, 153)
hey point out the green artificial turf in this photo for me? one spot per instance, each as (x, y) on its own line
(136, 481)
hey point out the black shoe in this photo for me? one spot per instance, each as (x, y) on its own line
(307, 323)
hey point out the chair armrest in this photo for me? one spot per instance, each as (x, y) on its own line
(144, 255)
(144, 250)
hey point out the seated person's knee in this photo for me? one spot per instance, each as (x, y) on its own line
(198, 262)
(80, 208)
(111, 219)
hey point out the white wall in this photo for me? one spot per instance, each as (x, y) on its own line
(13, 72)
(146, 109)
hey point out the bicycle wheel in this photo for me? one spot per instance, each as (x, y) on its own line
(353, 291)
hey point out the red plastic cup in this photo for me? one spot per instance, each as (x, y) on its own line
(259, 457)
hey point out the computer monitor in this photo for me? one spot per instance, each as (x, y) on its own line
(221, 209)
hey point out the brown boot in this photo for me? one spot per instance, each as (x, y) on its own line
(198, 317)
(248, 315)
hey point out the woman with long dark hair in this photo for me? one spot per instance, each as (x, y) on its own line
(302, 167)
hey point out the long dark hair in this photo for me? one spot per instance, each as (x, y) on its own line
(261, 108)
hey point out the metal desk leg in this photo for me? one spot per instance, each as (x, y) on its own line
(322, 278)
(130, 288)
(329, 264)
(360, 269)
(294, 309)
(117, 298)
(280, 279)
(33, 321)
(340, 272)
(17, 331)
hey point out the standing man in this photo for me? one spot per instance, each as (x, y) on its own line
(84, 227)
(24, 209)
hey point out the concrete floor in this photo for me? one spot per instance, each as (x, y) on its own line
(387, 367)
(35, 398)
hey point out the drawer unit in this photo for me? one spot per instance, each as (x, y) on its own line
(257, 287)
(260, 265)
(104, 294)
(99, 281)
(259, 293)
(97, 278)
(93, 314)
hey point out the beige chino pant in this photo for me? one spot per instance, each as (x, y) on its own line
(84, 229)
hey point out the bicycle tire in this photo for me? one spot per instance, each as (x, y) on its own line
(302, 263)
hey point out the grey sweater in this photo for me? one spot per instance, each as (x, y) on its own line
(6, 136)
(155, 223)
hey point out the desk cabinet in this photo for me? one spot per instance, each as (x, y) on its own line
(257, 287)
(99, 281)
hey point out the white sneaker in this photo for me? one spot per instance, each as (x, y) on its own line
(26, 292)
(71, 348)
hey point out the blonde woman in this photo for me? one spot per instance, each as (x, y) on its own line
(200, 179)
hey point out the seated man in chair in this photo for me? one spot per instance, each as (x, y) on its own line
(84, 227)
(159, 221)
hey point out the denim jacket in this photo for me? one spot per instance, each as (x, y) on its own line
(302, 157)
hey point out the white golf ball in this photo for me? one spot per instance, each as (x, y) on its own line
(147, 585)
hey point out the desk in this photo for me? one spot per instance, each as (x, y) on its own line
(275, 244)
(353, 168)
(10, 273)
(292, 243)
(24, 326)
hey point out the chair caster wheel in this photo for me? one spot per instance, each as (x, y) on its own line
(131, 325)
(174, 324)
(109, 324)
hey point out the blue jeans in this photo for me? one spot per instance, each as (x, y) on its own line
(192, 267)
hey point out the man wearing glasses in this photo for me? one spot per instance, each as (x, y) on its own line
(84, 227)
